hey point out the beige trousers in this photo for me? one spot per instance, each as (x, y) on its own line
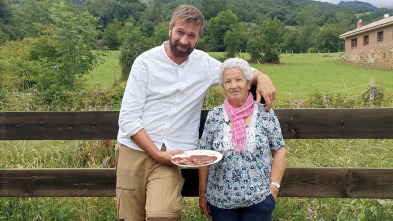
(145, 189)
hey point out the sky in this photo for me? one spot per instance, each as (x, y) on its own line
(376, 3)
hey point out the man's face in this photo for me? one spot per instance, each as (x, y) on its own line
(183, 37)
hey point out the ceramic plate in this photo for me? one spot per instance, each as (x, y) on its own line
(187, 154)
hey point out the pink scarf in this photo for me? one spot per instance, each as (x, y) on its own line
(237, 115)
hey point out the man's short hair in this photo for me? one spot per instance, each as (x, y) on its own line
(188, 13)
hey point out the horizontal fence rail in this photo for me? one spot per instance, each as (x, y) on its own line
(297, 182)
(102, 125)
(295, 124)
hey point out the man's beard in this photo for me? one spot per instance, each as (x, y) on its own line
(179, 53)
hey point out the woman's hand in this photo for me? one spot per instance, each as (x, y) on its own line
(203, 205)
(278, 169)
(203, 174)
(274, 191)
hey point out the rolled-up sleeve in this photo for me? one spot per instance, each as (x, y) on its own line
(134, 100)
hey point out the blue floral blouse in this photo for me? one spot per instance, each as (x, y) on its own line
(240, 179)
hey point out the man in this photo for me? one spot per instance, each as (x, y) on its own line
(160, 116)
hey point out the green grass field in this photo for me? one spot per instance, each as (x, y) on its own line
(300, 75)
(104, 74)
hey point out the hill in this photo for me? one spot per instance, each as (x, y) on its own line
(258, 10)
(358, 3)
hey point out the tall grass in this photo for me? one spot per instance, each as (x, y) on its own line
(302, 81)
(97, 154)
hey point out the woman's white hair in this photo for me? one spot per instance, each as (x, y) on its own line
(235, 63)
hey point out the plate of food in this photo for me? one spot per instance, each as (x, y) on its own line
(196, 158)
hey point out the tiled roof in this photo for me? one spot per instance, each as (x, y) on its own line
(378, 24)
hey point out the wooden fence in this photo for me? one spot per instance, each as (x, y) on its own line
(102, 125)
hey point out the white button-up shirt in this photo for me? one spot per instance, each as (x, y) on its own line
(166, 99)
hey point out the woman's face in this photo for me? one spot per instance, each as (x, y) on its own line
(235, 86)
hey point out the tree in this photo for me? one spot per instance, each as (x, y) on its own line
(157, 11)
(6, 20)
(110, 35)
(32, 18)
(51, 64)
(328, 39)
(380, 12)
(5, 11)
(290, 42)
(366, 18)
(108, 10)
(160, 33)
(307, 25)
(272, 36)
(210, 8)
(133, 43)
(151, 18)
(66, 51)
(218, 27)
(232, 42)
(253, 48)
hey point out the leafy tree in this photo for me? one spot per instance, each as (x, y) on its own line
(108, 10)
(5, 11)
(161, 33)
(245, 31)
(32, 18)
(307, 20)
(157, 11)
(290, 40)
(133, 44)
(232, 42)
(210, 8)
(16, 65)
(328, 39)
(110, 35)
(253, 48)
(151, 17)
(65, 52)
(272, 36)
(343, 21)
(5, 32)
(6, 21)
(366, 18)
(218, 27)
(380, 12)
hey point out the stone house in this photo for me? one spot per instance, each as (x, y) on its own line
(371, 44)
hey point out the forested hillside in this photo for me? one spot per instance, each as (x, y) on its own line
(46, 46)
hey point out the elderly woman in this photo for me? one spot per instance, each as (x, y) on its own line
(244, 184)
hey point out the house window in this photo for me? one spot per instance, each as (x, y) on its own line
(365, 40)
(380, 36)
(354, 42)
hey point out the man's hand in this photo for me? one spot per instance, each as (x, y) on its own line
(266, 89)
(165, 157)
(143, 141)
